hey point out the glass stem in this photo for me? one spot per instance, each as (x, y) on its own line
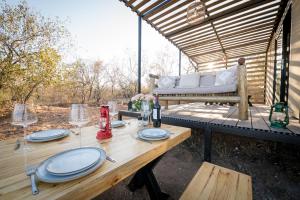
(25, 147)
(80, 139)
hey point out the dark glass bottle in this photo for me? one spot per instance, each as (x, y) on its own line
(156, 113)
(129, 105)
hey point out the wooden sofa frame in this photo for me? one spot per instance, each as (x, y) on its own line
(240, 97)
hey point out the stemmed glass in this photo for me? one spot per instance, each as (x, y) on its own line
(145, 107)
(113, 109)
(79, 117)
(23, 115)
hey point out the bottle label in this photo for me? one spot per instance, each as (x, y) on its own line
(154, 113)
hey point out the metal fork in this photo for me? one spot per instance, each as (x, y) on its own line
(30, 171)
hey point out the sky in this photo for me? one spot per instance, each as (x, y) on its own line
(101, 29)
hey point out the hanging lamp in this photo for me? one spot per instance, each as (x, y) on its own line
(195, 12)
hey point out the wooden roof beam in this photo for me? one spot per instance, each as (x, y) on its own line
(234, 47)
(166, 5)
(129, 3)
(135, 8)
(217, 35)
(237, 9)
(152, 6)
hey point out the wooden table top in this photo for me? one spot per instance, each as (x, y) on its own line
(131, 155)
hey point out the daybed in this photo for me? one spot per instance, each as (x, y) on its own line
(224, 86)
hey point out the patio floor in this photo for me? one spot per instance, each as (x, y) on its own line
(228, 116)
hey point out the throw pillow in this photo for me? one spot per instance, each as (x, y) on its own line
(189, 81)
(166, 82)
(224, 77)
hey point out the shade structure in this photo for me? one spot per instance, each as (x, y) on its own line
(230, 29)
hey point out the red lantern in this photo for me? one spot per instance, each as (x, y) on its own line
(105, 128)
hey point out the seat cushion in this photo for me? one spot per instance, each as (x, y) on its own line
(198, 90)
(189, 81)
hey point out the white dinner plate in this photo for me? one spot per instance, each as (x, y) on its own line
(41, 135)
(117, 123)
(154, 133)
(45, 176)
(153, 139)
(29, 139)
(73, 161)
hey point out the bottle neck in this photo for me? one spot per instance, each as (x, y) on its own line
(156, 100)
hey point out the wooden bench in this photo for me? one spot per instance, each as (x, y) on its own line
(215, 182)
(240, 97)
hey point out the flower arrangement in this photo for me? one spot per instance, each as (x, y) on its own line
(137, 101)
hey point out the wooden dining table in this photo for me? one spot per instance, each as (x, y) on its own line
(133, 157)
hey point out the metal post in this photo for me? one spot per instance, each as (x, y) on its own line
(285, 57)
(207, 144)
(274, 73)
(139, 54)
(179, 64)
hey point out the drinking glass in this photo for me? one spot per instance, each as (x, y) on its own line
(79, 117)
(145, 107)
(113, 109)
(23, 115)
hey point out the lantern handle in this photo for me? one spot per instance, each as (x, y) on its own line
(286, 115)
(271, 112)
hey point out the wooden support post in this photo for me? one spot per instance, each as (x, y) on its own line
(179, 63)
(243, 93)
(166, 104)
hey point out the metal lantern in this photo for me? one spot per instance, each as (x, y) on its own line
(195, 12)
(279, 115)
(105, 127)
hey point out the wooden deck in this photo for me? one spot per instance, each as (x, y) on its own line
(224, 119)
(228, 116)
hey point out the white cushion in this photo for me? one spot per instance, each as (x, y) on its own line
(166, 82)
(189, 81)
(224, 77)
(207, 80)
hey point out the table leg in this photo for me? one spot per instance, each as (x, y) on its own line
(145, 176)
(207, 144)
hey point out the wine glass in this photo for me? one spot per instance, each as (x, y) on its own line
(23, 115)
(113, 109)
(145, 107)
(79, 117)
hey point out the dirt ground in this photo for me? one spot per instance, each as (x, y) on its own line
(274, 167)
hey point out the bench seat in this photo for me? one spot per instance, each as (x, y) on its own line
(197, 90)
(218, 183)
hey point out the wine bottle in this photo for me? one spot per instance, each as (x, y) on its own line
(156, 113)
(129, 105)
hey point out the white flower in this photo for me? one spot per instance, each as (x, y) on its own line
(137, 97)
(149, 97)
